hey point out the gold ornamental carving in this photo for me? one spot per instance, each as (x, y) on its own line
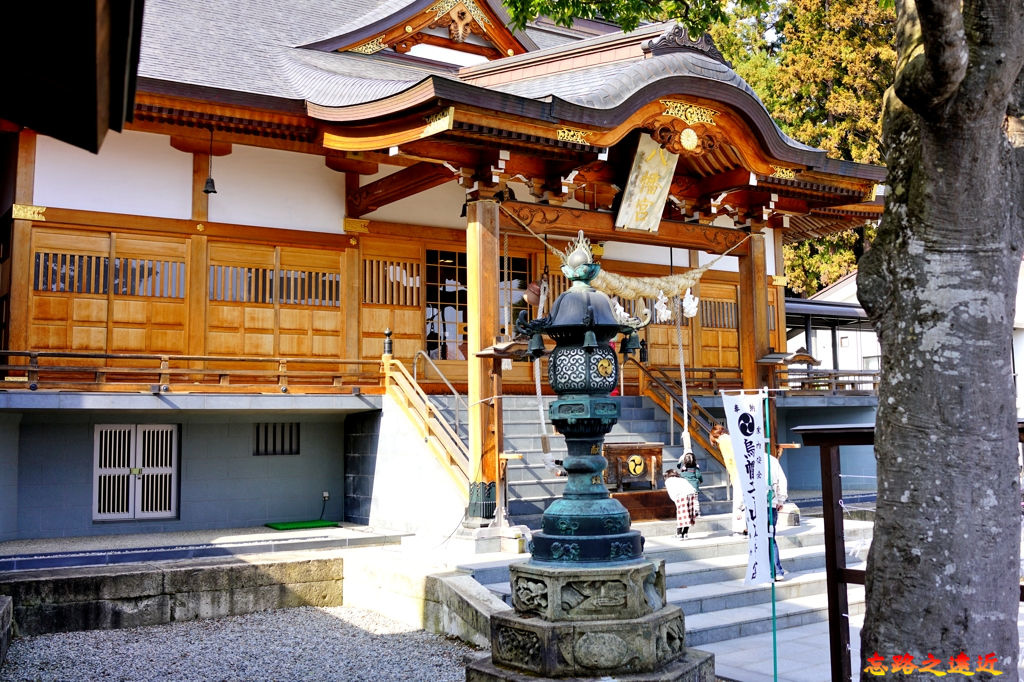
(439, 122)
(685, 139)
(26, 212)
(356, 226)
(439, 9)
(783, 173)
(370, 47)
(573, 135)
(691, 113)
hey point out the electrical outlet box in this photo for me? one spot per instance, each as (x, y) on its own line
(327, 495)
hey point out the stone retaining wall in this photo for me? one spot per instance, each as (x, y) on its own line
(89, 598)
(5, 626)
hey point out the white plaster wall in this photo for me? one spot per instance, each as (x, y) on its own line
(274, 188)
(135, 173)
(437, 207)
(644, 253)
(1018, 315)
(1018, 368)
(727, 264)
(411, 490)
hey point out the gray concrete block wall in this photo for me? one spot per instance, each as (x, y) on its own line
(222, 484)
(803, 465)
(9, 476)
(362, 433)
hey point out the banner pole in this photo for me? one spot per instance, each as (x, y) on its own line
(772, 547)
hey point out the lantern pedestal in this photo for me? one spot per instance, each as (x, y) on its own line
(588, 605)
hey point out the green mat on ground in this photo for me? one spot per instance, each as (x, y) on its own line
(293, 525)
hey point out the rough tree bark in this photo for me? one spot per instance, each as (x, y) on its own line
(939, 285)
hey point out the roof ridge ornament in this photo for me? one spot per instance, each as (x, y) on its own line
(677, 39)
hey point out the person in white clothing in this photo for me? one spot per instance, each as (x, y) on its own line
(778, 495)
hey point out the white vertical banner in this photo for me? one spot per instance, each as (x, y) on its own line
(744, 415)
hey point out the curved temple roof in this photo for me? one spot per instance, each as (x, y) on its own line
(300, 55)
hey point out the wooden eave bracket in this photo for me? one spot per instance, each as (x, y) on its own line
(399, 185)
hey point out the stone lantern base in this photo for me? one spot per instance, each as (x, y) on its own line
(582, 623)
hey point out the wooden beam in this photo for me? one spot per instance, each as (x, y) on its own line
(343, 164)
(598, 227)
(400, 185)
(200, 144)
(64, 217)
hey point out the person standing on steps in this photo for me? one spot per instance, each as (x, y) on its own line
(779, 495)
(683, 489)
(739, 524)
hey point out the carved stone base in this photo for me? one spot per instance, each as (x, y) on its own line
(692, 666)
(556, 592)
(585, 648)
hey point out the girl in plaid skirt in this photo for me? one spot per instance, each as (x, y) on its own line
(682, 486)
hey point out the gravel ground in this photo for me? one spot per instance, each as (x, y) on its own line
(338, 643)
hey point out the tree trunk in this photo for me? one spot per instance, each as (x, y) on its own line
(939, 284)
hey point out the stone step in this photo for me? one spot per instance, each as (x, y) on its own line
(731, 594)
(717, 626)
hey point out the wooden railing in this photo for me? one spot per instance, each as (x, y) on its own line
(447, 446)
(138, 372)
(827, 381)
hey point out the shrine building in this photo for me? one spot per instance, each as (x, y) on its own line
(319, 224)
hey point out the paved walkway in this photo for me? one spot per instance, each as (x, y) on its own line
(802, 651)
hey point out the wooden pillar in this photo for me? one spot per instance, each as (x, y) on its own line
(21, 243)
(753, 313)
(482, 327)
(352, 278)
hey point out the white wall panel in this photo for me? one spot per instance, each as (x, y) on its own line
(437, 207)
(135, 173)
(645, 253)
(273, 188)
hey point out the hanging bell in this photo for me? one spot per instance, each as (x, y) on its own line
(536, 347)
(632, 343)
(209, 187)
(590, 339)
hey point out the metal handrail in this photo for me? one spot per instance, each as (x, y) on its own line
(456, 449)
(459, 402)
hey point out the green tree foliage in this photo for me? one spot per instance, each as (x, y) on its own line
(696, 15)
(821, 69)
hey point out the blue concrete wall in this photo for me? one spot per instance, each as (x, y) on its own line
(803, 465)
(9, 476)
(222, 484)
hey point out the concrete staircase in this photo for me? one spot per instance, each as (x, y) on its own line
(704, 576)
(531, 488)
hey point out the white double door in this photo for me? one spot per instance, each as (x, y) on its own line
(135, 471)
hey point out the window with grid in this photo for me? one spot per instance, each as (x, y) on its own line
(241, 284)
(446, 299)
(276, 438)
